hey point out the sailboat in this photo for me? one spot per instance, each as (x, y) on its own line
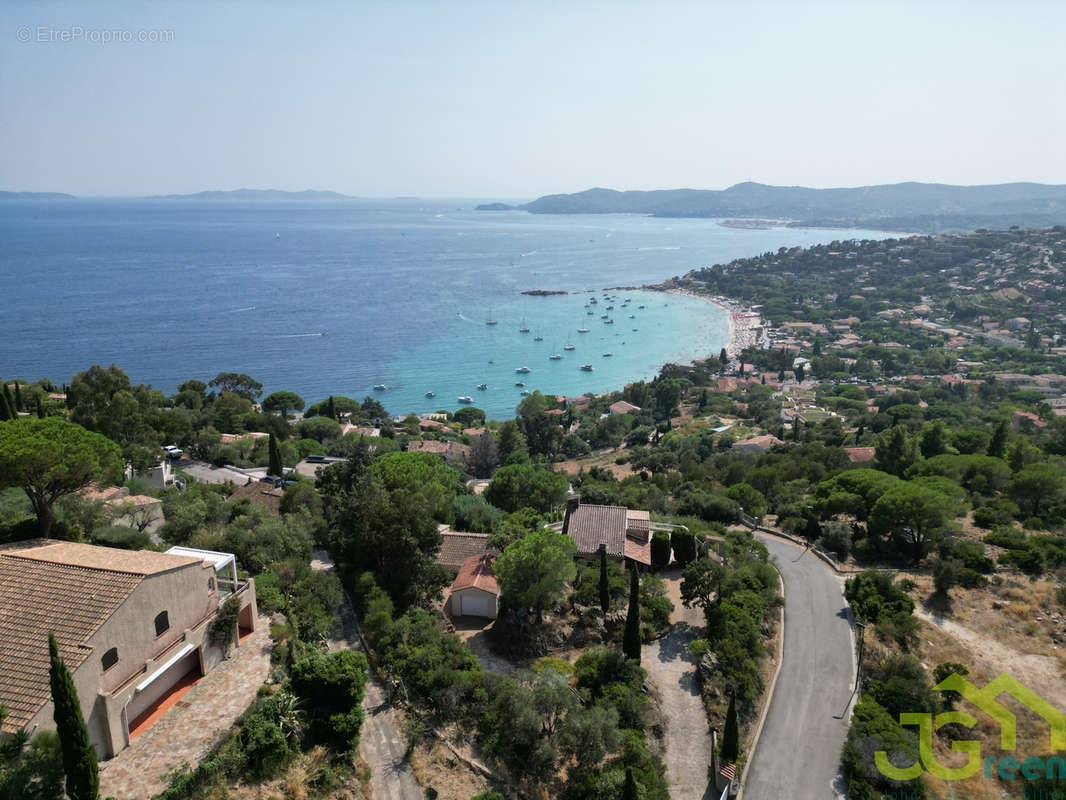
(582, 330)
(555, 355)
(568, 346)
(490, 320)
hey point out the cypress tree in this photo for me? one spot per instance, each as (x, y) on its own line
(79, 755)
(275, 457)
(631, 636)
(9, 403)
(731, 734)
(629, 790)
(6, 412)
(997, 446)
(19, 405)
(724, 358)
(605, 595)
(40, 408)
(331, 408)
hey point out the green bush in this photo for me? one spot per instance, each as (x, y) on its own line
(331, 688)
(660, 550)
(684, 546)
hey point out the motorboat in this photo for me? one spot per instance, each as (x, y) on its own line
(482, 386)
(380, 387)
(568, 347)
(466, 399)
(586, 367)
(609, 354)
(523, 370)
(431, 394)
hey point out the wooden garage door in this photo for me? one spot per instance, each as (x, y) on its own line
(476, 604)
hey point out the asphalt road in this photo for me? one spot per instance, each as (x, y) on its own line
(798, 754)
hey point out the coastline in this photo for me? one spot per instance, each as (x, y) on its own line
(743, 331)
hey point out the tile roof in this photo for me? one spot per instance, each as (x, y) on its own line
(592, 525)
(623, 407)
(476, 573)
(458, 546)
(42, 594)
(860, 455)
(261, 493)
(111, 559)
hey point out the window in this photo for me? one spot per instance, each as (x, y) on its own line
(110, 658)
(210, 584)
(162, 623)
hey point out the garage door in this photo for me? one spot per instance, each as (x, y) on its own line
(476, 604)
(161, 685)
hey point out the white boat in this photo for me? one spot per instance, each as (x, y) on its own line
(519, 383)
(523, 370)
(554, 357)
(466, 399)
(582, 330)
(538, 338)
(482, 386)
(608, 354)
(380, 387)
(568, 347)
(523, 329)
(431, 394)
(586, 367)
(491, 322)
(524, 393)
(608, 322)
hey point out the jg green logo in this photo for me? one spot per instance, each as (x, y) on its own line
(984, 699)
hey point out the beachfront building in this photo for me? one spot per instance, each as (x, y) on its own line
(132, 627)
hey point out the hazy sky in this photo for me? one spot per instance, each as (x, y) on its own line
(517, 99)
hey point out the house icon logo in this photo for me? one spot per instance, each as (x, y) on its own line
(985, 699)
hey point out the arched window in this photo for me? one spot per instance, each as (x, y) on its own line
(162, 623)
(110, 658)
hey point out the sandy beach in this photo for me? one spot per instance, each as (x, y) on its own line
(744, 331)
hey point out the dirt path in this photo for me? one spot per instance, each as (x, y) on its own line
(380, 744)
(1039, 672)
(673, 669)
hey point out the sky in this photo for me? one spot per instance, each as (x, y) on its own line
(513, 99)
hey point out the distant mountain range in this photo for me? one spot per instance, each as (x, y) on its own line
(258, 195)
(900, 206)
(36, 196)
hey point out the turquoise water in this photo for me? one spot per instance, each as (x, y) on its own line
(326, 299)
(668, 328)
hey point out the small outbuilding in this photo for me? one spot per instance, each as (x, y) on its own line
(475, 591)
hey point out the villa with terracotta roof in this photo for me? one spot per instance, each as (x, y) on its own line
(131, 626)
(625, 533)
(458, 546)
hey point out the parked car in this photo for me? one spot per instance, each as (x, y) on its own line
(173, 452)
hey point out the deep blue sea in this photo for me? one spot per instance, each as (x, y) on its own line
(336, 298)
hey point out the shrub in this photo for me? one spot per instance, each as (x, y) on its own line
(660, 550)
(1010, 538)
(224, 626)
(836, 538)
(684, 546)
(332, 687)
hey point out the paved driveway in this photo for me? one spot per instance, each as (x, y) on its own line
(798, 755)
(186, 732)
(673, 669)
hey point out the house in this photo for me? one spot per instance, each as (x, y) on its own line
(475, 592)
(458, 546)
(262, 494)
(131, 626)
(623, 407)
(625, 533)
(860, 455)
(449, 451)
(757, 444)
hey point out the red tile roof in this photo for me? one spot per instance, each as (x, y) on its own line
(476, 573)
(860, 455)
(458, 546)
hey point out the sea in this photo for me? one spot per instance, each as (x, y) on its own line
(340, 298)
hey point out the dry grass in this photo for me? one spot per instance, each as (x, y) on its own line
(435, 766)
(1014, 627)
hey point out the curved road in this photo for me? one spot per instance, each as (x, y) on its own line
(798, 754)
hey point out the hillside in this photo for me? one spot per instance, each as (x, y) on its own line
(900, 206)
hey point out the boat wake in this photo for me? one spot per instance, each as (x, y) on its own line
(299, 335)
(238, 310)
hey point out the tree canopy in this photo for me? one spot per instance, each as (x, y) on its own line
(50, 458)
(536, 568)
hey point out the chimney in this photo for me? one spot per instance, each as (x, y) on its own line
(572, 502)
